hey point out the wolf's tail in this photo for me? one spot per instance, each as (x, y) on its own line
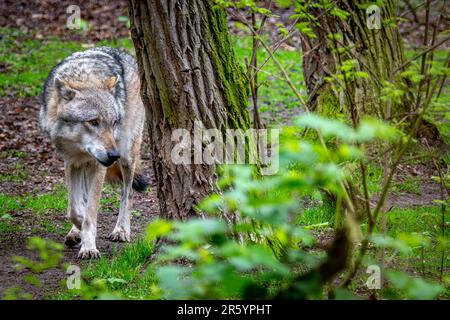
(140, 182)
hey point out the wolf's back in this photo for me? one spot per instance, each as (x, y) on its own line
(85, 68)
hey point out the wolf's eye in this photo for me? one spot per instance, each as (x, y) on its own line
(115, 123)
(94, 123)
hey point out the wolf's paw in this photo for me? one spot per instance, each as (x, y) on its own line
(119, 235)
(72, 239)
(88, 254)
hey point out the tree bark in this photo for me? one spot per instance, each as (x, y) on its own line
(379, 53)
(188, 74)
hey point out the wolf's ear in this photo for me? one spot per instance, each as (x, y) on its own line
(64, 92)
(111, 82)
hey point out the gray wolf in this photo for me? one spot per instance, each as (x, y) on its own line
(92, 111)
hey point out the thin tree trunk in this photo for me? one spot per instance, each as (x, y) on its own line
(189, 74)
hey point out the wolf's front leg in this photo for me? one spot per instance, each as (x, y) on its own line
(95, 177)
(122, 230)
(77, 191)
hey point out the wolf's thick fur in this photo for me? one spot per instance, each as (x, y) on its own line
(92, 111)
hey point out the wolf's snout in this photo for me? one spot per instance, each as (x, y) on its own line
(109, 158)
(113, 155)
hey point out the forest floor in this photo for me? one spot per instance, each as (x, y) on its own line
(32, 193)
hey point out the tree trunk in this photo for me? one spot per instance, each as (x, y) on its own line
(189, 74)
(378, 53)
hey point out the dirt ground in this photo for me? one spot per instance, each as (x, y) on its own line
(49, 17)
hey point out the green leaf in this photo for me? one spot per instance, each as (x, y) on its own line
(342, 14)
(389, 242)
(158, 228)
(370, 129)
(198, 230)
(328, 127)
(116, 280)
(415, 288)
(211, 204)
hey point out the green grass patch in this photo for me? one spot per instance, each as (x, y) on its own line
(422, 223)
(41, 203)
(425, 225)
(439, 112)
(27, 61)
(16, 173)
(416, 219)
(122, 274)
(374, 178)
(423, 219)
(13, 153)
(8, 226)
(317, 216)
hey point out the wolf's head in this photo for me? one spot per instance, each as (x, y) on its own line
(87, 120)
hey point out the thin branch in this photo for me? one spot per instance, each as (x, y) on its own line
(256, 40)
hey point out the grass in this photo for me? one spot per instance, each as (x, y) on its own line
(52, 201)
(414, 219)
(28, 60)
(405, 184)
(13, 153)
(7, 227)
(41, 203)
(421, 227)
(15, 177)
(16, 169)
(317, 216)
(122, 274)
(439, 113)
(418, 219)
(110, 200)
(42, 206)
